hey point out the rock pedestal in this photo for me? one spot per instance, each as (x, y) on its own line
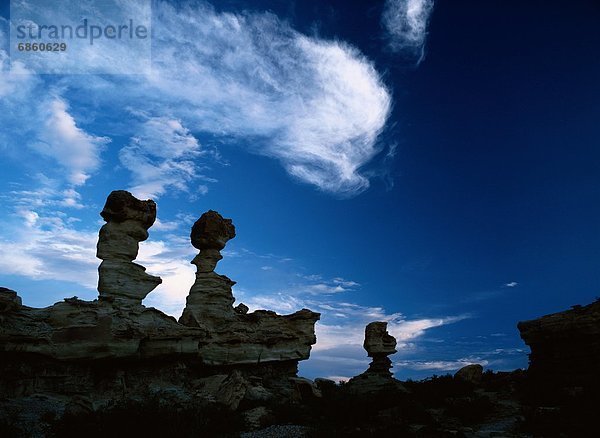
(379, 345)
(210, 297)
(127, 222)
(234, 334)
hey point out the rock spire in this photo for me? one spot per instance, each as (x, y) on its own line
(127, 222)
(379, 345)
(211, 296)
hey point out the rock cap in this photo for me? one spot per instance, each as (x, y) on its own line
(378, 341)
(122, 205)
(212, 231)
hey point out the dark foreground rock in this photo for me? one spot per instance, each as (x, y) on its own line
(565, 346)
(563, 385)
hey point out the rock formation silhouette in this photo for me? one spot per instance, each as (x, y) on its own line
(79, 359)
(211, 295)
(117, 325)
(127, 222)
(565, 346)
(379, 345)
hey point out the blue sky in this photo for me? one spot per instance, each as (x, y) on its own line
(433, 165)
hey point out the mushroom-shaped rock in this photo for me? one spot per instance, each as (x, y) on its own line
(210, 333)
(379, 345)
(128, 219)
(211, 296)
(237, 335)
(378, 341)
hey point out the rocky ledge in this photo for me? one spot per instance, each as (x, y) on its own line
(565, 346)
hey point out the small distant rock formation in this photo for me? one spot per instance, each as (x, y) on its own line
(472, 374)
(379, 345)
(565, 346)
(127, 222)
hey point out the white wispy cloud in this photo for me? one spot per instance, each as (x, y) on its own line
(511, 284)
(72, 148)
(71, 198)
(16, 80)
(448, 359)
(405, 23)
(315, 105)
(323, 288)
(160, 225)
(48, 247)
(42, 193)
(440, 365)
(352, 332)
(161, 156)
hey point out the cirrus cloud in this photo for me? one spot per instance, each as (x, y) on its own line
(405, 23)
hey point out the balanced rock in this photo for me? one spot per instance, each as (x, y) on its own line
(211, 294)
(128, 220)
(379, 345)
(122, 206)
(236, 335)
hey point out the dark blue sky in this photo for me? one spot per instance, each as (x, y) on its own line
(483, 206)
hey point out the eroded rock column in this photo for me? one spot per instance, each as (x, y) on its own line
(127, 222)
(379, 345)
(378, 378)
(210, 297)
